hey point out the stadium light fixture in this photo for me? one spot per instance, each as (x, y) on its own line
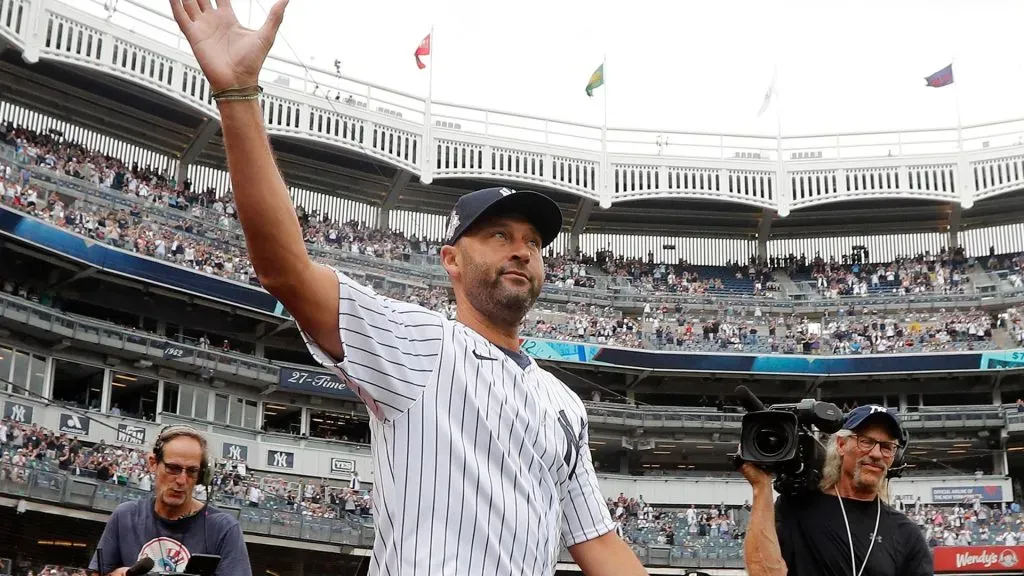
(605, 204)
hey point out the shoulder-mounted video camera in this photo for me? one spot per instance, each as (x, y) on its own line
(781, 439)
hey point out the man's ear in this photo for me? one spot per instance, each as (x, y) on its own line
(450, 260)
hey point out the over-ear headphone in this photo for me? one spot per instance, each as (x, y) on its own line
(168, 433)
(899, 461)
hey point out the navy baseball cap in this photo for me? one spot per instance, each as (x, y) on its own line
(536, 208)
(860, 414)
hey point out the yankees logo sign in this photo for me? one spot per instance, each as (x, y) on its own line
(279, 459)
(18, 412)
(236, 452)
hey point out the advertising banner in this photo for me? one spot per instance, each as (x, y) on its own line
(314, 382)
(74, 424)
(978, 559)
(988, 493)
(343, 466)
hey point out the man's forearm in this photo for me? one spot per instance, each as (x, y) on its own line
(761, 550)
(272, 232)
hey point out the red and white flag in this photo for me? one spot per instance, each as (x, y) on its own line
(423, 50)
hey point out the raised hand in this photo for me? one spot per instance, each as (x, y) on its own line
(229, 54)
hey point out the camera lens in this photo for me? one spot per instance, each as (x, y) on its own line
(770, 441)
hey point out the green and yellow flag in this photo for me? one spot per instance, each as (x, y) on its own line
(596, 80)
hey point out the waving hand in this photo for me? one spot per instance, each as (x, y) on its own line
(229, 54)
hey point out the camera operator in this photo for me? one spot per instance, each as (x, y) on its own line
(843, 528)
(170, 526)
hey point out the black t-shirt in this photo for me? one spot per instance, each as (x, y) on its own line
(814, 542)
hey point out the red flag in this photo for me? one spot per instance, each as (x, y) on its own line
(423, 50)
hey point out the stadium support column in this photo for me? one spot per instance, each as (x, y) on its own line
(398, 184)
(764, 232)
(956, 212)
(35, 29)
(583, 211)
(206, 130)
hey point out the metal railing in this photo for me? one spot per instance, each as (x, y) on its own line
(98, 332)
(66, 489)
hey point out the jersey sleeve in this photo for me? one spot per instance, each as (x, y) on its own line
(585, 515)
(390, 348)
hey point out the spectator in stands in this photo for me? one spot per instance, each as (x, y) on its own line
(171, 525)
(808, 534)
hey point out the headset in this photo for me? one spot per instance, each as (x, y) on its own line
(168, 433)
(899, 461)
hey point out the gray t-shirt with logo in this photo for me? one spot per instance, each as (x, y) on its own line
(135, 531)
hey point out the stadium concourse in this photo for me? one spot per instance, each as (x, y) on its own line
(127, 302)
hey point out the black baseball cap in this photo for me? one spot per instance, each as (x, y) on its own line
(861, 414)
(536, 208)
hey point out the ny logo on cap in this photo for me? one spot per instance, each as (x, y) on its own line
(878, 409)
(506, 191)
(453, 223)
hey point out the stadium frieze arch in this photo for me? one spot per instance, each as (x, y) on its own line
(436, 140)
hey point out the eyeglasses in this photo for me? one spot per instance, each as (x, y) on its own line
(867, 444)
(175, 470)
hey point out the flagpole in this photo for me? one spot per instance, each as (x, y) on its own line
(956, 97)
(426, 170)
(781, 169)
(604, 78)
(606, 194)
(430, 82)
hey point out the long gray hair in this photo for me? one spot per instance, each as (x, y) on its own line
(832, 470)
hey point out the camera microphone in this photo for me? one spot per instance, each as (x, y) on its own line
(141, 567)
(748, 400)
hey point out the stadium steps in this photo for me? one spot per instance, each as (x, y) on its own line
(1003, 340)
(789, 288)
(984, 281)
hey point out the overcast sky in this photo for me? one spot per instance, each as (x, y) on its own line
(675, 65)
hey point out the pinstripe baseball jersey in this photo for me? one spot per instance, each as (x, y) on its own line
(481, 458)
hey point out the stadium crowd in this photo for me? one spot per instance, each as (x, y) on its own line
(27, 447)
(191, 243)
(147, 185)
(848, 333)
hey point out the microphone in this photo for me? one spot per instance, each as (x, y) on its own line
(141, 567)
(747, 399)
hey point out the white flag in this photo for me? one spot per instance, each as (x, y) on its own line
(768, 97)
